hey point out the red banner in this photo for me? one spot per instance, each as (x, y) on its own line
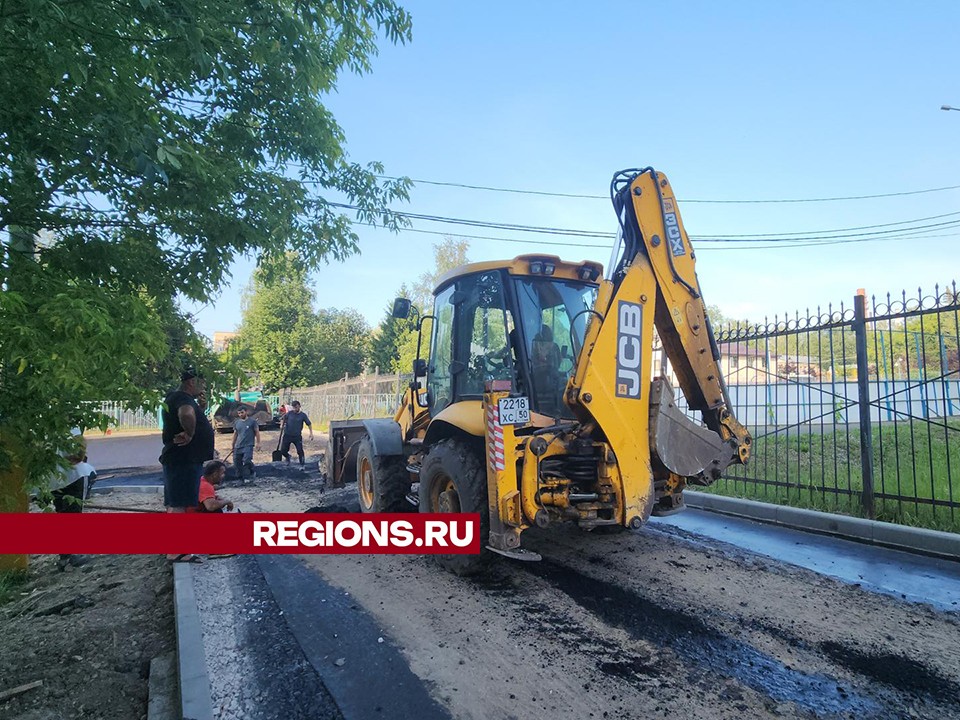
(246, 533)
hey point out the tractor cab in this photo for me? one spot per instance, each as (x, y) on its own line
(523, 321)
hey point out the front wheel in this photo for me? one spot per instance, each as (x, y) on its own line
(382, 482)
(453, 478)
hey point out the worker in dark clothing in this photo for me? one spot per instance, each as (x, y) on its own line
(291, 432)
(187, 445)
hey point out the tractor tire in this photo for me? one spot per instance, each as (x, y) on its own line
(382, 482)
(453, 478)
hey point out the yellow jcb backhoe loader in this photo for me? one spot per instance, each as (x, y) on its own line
(539, 402)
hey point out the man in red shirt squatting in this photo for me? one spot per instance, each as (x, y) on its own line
(213, 474)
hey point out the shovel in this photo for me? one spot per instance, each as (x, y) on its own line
(277, 455)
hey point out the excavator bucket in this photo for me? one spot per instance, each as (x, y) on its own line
(684, 447)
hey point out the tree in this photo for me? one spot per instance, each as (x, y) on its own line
(386, 339)
(160, 138)
(447, 255)
(65, 345)
(343, 338)
(152, 143)
(278, 336)
(285, 341)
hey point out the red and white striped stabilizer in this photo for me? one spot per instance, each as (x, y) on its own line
(495, 438)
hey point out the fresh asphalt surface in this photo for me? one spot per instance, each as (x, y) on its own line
(893, 572)
(911, 577)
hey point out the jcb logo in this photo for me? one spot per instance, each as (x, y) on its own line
(672, 226)
(629, 332)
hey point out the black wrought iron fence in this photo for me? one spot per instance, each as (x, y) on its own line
(853, 409)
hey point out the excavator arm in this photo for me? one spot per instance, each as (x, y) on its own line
(652, 283)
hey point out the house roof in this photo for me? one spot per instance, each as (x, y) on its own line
(740, 349)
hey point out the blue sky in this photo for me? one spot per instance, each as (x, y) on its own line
(734, 101)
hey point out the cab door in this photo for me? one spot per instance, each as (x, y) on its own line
(470, 342)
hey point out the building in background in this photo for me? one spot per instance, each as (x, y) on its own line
(222, 340)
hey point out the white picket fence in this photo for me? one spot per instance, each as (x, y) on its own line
(124, 419)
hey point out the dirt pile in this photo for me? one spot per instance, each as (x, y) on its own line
(88, 634)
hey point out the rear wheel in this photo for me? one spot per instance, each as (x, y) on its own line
(382, 482)
(453, 478)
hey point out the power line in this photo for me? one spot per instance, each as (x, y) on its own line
(778, 245)
(867, 235)
(839, 230)
(486, 224)
(488, 237)
(806, 238)
(811, 236)
(587, 196)
(546, 193)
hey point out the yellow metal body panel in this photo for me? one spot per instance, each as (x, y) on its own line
(670, 253)
(506, 517)
(411, 416)
(681, 311)
(520, 265)
(530, 484)
(466, 415)
(612, 384)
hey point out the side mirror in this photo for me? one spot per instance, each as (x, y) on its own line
(419, 368)
(401, 308)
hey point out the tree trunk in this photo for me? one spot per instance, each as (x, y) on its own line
(13, 498)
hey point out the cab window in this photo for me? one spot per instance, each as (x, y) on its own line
(470, 340)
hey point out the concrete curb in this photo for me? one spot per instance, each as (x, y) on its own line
(162, 696)
(105, 489)
(874, 532)
(195, 702)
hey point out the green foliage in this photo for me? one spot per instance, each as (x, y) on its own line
(448, 254)
(277, 336)
(343, 337)
(387, 339)
(10, 582)
(143, 147)
(717, 319)
(823, 470)
(159, 137)
(397, 340)
(925, 345)
(287, 343)
(66, 345)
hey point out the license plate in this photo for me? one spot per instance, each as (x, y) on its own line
(514, 410)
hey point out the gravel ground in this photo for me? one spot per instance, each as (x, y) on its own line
(658, 623)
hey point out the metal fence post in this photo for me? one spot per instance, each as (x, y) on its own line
(863, 387)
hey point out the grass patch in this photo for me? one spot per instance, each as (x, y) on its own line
(10, 583)
(914, 461)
